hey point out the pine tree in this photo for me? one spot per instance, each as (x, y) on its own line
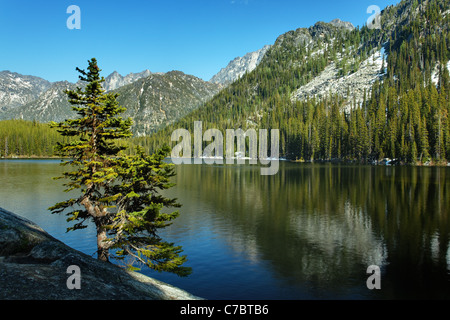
(118, 193)
(424, 145)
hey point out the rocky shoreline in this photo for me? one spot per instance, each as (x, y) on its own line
(36, 266)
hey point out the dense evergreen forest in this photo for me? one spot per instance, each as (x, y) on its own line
(404, 116)
(31, 139)
(20, 138)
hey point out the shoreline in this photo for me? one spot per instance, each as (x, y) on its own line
(377, 164)
(32, 158)
(333, 161)
(34, 264)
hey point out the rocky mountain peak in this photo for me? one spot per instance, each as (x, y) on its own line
(321, 29)
(115, 80)
(342, 24)
(239, 66)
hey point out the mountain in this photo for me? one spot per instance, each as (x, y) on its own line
(342, 24)
(115, 80)
(29, 97)
(152, 101)
(51, 105)
(352, 84)
(17, 89)
(239, 66)
(336, 92)
(160, 99)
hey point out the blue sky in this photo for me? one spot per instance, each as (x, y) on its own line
(198, 37)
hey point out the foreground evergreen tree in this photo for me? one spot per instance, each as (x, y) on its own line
(119, 193)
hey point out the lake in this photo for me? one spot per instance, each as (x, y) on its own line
(308, 232)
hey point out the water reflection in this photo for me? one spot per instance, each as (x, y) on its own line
(27, 188)
(321, 226)
(309, 232)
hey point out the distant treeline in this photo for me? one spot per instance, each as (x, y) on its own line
(26, 139)
(20, 138)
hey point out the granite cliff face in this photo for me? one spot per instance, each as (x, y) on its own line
(35, 266)
(239, 66)
(342, 24)
(116, 80)
(352, 87)
(305, 37)
(51, 105)
(17, 89)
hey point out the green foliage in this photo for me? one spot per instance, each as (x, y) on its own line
(20, 138)
(119, 193)
(139, 211)
(404, 116)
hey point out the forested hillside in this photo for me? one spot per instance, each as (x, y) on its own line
(403, 116)
(20, 138)
(26, 139)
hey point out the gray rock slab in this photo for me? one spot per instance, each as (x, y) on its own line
(34, 266)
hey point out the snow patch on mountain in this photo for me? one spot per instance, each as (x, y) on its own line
(435, 74)
(17, 89)
(351, 86)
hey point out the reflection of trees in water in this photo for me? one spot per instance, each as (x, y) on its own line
(416, 228)
(326, 223)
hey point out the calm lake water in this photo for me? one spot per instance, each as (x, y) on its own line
(309, 232)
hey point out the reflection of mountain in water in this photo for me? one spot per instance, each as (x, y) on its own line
(343, 239)
(324, 225)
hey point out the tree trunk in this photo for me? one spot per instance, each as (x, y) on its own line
(99, 215)
(102, 245)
